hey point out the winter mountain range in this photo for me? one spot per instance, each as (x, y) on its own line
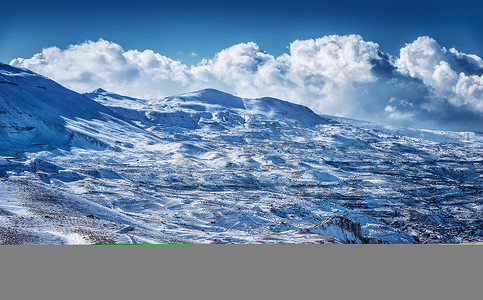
(210, 167)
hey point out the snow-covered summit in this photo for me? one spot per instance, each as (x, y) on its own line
(209, 97)
(115, 100)
(280, 109)
(99, 91)
(210, 107)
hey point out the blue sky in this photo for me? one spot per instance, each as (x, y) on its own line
(178, 29)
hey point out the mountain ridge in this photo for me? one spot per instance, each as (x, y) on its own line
(38, 111)
(210, 167)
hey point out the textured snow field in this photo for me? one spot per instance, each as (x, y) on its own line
(209, 167)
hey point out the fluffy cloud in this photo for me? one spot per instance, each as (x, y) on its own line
(427, 85)
(453, 76)
(105, 64)
(323, 73)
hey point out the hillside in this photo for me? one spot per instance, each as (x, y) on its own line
(210, 167)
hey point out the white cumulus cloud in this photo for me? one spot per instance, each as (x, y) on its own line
(427, 85)
(320, 73)
(454, 76)
(105, 64)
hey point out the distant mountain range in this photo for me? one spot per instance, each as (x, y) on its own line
(210, 167)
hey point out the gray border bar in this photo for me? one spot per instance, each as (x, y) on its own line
(241, 272)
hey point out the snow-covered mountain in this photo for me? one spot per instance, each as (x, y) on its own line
(210, 167)
(37, 113)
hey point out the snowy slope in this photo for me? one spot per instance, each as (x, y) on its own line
(210, 167)
(457, 137)
(36, 113)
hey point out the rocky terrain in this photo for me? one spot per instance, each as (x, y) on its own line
(210, 167)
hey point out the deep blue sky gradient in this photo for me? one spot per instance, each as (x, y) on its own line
(177, 28)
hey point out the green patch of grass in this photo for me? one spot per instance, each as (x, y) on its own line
(139, 244)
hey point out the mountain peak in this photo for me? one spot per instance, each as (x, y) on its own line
(99, 91)
(212, 97)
